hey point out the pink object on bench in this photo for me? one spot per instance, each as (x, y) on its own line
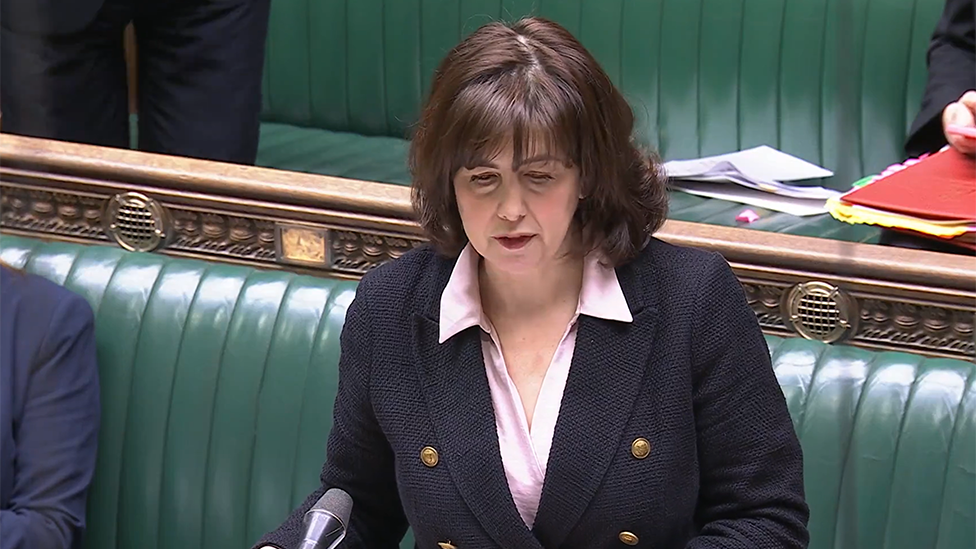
(747, 216)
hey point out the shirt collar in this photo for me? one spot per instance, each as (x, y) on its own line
(600, 295)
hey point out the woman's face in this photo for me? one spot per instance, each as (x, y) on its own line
(518, 218)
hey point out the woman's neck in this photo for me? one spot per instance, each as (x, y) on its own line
(524, 294)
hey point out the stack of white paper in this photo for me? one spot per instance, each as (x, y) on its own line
(757, 178)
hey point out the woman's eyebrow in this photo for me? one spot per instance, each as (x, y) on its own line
(541, 158)
(532, 160)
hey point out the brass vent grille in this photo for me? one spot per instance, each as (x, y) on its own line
(818, 310)
(136, 222)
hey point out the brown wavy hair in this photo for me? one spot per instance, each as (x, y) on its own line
(533, 84)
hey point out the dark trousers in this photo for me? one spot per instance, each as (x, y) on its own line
(199, 78)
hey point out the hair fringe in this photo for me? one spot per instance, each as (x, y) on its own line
(512, 78)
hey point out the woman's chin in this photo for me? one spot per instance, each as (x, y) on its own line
(513, 262)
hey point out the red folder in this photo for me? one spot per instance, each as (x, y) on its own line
(939, 187)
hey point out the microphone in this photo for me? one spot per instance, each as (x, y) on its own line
(326, 521)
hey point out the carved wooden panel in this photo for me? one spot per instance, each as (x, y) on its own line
(765, 301)
(923, 327)
(222, 235)
(54, 213)
(359, 251)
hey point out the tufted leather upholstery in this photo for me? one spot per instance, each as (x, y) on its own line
(704, 76)
(217, 389)
(218, 382)
(836, 82)
(889, 443)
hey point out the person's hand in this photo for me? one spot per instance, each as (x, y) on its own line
(961, 113)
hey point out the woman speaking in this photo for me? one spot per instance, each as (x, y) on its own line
(546, 373)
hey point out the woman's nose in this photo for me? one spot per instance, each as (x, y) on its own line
(512, 205)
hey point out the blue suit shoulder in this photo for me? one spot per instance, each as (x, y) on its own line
(49, 358)
(36, 299)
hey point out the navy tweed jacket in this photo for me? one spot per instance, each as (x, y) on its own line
(691, 374)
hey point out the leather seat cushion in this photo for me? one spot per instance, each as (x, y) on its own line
(383, 159)
(340, 154)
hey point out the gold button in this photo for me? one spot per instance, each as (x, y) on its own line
(429, 456)
(640, 448)
(445, 544)
(628, 538)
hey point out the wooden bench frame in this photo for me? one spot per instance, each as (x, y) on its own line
(872, 296)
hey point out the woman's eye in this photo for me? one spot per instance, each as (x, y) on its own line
(483, 178)
(539, 177)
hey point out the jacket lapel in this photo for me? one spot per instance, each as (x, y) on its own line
(456, 388)
(605, 377)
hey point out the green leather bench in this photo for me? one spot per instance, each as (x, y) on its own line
(834, 82)
(218, 382)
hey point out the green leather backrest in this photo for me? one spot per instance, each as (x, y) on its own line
(889, 445)
(836, 82)
(218, 382)
(217, 388)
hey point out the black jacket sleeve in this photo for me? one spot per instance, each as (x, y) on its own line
(359, 459)
(952, 72)
(749, 455)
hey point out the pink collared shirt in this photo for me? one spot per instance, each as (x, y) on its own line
(525, 452)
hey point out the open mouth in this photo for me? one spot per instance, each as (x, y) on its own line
(514, 242)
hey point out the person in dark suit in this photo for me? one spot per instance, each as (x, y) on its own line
(949, 99)
(952, 73)
(545, 373)
(49, 412)
(63, 73)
